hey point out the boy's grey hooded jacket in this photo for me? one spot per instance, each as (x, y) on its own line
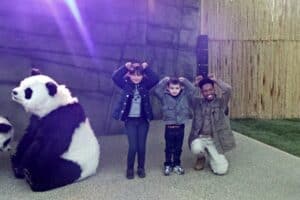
(175, 110)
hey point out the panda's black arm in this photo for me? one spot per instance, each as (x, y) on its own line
(44, 150)
(30, 155)
(58, 130)
(26, 141)
(55, 133)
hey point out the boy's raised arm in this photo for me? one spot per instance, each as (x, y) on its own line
(190, 88)
(161, 87)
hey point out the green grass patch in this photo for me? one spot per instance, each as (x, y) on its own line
(282, 134)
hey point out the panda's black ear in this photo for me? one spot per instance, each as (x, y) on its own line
(52, 88)
(35, 71)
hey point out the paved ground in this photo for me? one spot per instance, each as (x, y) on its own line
(257, 171)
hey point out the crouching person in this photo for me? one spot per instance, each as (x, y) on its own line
(211, 130)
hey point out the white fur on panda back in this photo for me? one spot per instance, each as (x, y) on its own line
(84, 149)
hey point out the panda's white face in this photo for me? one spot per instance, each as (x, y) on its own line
(6, 134)
(40, 95)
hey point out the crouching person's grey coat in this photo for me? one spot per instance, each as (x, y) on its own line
(221, 131)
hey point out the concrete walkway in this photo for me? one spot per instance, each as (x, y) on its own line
(257, 171)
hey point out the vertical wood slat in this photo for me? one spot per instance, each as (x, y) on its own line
(264, 76)
(255, 45)
(251, 19)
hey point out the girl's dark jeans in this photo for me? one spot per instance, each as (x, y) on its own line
(137, 131)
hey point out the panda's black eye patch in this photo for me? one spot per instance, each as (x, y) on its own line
(5, 128)
(28, 93)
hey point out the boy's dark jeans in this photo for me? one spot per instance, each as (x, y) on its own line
(174, 135)
(137, 131)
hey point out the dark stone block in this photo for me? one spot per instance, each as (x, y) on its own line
(109, 33)
(177, 3)
(163, 60)
(190, 19)
(74, 78)
(136, 33)
(134, 52)
(188, 39)
(13, 68)
(163, 36)
(14, 111)
(108, 51)
(96, 106)
(186, 64)
(192, 3)
(106, 85)
(165, 16)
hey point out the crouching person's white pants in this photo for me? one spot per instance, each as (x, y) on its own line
(217, 161)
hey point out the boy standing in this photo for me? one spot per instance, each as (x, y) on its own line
(174, 94)
(210, 128)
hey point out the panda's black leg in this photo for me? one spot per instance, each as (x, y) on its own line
(62, 173)
(17, 170)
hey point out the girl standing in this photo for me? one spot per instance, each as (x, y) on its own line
(134, 108)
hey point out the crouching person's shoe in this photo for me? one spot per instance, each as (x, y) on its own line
(200, 163)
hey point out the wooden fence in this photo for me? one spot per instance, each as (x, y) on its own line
(255, 46)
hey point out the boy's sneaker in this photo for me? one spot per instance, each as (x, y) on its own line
(178, 170)
(167, 170)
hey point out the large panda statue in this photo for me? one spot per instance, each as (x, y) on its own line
(59, 146)
(6, 134)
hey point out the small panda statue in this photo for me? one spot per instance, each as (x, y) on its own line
(59, 146)
(6, 134)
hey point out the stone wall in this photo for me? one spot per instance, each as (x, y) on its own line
(81, 44)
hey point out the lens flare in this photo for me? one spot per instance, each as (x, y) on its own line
(75, 12)
(83, 30)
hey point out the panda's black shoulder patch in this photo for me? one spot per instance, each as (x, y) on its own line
(69, 113)
(5, 128)
(64, 119)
